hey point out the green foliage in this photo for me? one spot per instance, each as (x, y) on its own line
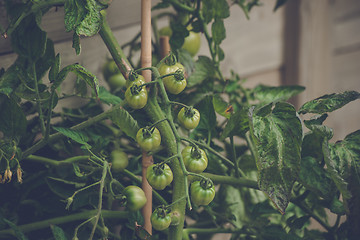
(271, 177)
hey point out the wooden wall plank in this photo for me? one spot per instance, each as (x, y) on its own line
(346, 35)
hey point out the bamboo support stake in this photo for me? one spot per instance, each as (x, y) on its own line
(146, 62)
(164, 46)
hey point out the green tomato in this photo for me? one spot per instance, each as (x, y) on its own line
(110, 68)
(148, 139)
(135, 198)
(192, 43)
(134, 78)
(160, 219)
(195, 159)
(202, 192)
(119, 160)
(173, 84)
(116, 81)
(159, 176)
(189, 117)
(136, 96)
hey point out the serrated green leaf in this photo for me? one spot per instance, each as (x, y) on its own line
(108, 98)
(204, 68)
(179, 33)
(337, 168)
(277, 135)
(58, 233)
(160, 5)
(337, 207)
(77, 136)
(316, 178)
(238, 124)
(329, 102)
(186, 60)
(46, 60)
(76, 43)
(218, 31)
(12, 118)
(81, 72)
(18, 233)
(55, 68)
(125, 122)
(215, 9)
(28, 39)
(75, 13)
(268, 94)
(207, 113)
(345, 155)
(9, 81)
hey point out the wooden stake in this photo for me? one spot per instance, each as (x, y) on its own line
(146, 62)
(164, 46)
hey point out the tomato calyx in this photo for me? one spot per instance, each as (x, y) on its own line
(179, 75)
(147, 132)
(163, 211)
(135, 89)
(189, 112)
(195, 152)
(159, 169)
(206, 183)
(133, 76)
(170, 59)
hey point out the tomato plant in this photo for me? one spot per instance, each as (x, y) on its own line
(195, 159)
(176, 83)
(135, 198)
(160, 219)
(119, 160)
(202, 192)
(189, 117)
(159, 175)
(64, 176)
(149, 139)
(136, 96)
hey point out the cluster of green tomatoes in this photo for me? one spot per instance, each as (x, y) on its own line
(160, 175)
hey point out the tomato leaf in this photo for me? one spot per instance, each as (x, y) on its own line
(55, 68)
(277, 134)
(12, 118)
(238, 124)
(108, 98)
(9, 81)
(316, 178)
(204, 68)
(58, 233)
(76, 43)
(329, 102)
(267, 94)
(81, 72)
(207, 113)
(18, 233)
(218, 31)
(179, 33)
(344, 159)
(28, 39)
(77, 136)
(125, 122)
(221, 107)
(215, 9)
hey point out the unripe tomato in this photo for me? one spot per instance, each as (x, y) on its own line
(202, 192)
(173, 84)
(135, 198)
(116, 81)
(160, 219)
(148, 139)
(110, 68)
(195, 159)
(135, 78)
(119, 160)
(136, 96)
(159, 175)
(189, 117)
(192, 43)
